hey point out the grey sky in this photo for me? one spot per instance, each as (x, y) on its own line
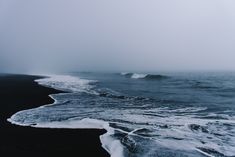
(125, 35)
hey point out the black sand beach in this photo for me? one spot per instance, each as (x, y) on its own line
(19, 92)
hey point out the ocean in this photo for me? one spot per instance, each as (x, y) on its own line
(145, 115)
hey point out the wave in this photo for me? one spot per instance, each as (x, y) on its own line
(144, 76)
(68, 83)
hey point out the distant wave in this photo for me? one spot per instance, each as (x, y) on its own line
(144, 76)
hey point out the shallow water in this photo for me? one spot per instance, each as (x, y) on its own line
(172, 114)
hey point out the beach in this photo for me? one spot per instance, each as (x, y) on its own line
(20, 92)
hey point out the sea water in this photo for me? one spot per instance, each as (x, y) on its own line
(145, 115)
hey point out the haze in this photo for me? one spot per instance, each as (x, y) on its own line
(122, 35)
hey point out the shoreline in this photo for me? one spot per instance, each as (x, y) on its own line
(21, 92)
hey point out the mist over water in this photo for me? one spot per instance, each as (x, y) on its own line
(145, 113)
(101, 35)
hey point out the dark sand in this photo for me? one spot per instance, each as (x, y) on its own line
(19, 92)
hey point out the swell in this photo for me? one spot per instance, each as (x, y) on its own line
(155, 77)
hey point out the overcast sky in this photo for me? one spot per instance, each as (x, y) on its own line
(120, 35)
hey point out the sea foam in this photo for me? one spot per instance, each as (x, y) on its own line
(67, 83)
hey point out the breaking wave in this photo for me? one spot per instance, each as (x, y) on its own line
(68, 83)
(144, 76)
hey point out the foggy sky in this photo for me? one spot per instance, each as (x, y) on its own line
(120, 35)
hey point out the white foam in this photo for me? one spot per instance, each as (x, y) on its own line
(135, 75)
(204, 153)
(111, 145)
(13, 119)
(178, 128)
(68, 83)
(74, 124)
(124, 73)
(138, 76)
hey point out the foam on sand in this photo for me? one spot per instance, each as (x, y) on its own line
(109, 143)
